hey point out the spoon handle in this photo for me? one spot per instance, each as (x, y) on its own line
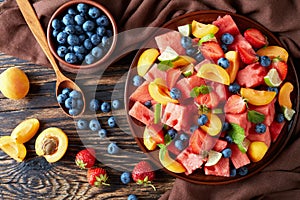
(36, 29)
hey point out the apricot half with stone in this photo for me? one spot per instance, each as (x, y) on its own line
(12, 148)
(52, 144)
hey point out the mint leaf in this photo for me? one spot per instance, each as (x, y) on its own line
(203, 89)
(165, 65)
(203, 109)
(168, 139)
(237, 133)
(162, 146)
(194, 92)
(255, 117)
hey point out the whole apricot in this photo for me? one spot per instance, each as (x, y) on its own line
(14, 83)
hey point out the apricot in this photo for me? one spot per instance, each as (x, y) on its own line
(12, 148)
(257, 150)
(25, 130)
(169, 163)
(14, 83)
(52, 143)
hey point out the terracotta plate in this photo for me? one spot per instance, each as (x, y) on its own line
(198, 177)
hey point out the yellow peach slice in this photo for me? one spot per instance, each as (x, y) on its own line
(274, 52)
(284, 98)
(214, 72)
(257, 97)
(234, 66)
(25, 130)
(169, 163)
(160, 93)
(12, 148)
(183, 61)
(52, 143)
(199, 30)
(257, 150)
(149, 143)
(214, 125)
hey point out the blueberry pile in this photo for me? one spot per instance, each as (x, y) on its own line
(82, 34)
(71, 100)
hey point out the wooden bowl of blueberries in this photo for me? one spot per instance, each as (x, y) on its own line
(81, 34)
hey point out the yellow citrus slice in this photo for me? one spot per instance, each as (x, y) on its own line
(272, 79)
(284, 98)
(257, 150)
(214, 72)
(213, 158)
(183, 61)
(288, 113)
(274, 52)
(160, 93)
(199, 30)
(169, 163)
(214, 125)
(149, 143)
(257, 97)
(25, 130)
(146, 60)
(12, 148)
(234, 66)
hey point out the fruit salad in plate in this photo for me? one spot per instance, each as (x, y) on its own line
(212, 99)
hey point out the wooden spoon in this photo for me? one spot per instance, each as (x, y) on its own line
(37, 30)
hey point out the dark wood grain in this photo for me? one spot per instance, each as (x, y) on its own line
(35, 178)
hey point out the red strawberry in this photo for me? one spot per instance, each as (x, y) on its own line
(85, 158)
(211, 100)
(235, 105)
(212, 50)
(143, 174)
(247, 55)
(97, 176)
(281, 68)
(255, 38)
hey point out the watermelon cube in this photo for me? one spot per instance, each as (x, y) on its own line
(264, 137)
(154, 73)
(171, 39)
(222, 168)
(252, 75)
(238, 158)
(195, 81)
(201, 141)
(240, 119)
(172, 75)
(220, 145)
(226, 25)
(268, 110)
(190, 161)
(184, 86)
(141, 93)
(275, 129)
(140, 112)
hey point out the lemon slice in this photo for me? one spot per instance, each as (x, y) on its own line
(272, 79)
(199, 30)
(288, 113)
(185, 30)
(168, 54)
(146, 60)
(214, 72)
(188, 70)
(213, 158)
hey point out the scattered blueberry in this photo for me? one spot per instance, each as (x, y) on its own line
(79, 49)
(229, 139)
(234, 88)
(113, 148)
(83, 8)
(66, 91)
(179, 144)
(280, 118)
(191, 51)
(74, 111)
(273, 89)
(186, 42)
(102, 21)
(224, 48)
(111, 121)
(232, 172)
(203, 119)
(223, 62)
(116, 104)
(94, 125)
(101, 31)
(132, 197)
(125, 177)
(82, 124)
(260, 128)
(71, 11)
(225, 126)
(88, 26)
(62, 51)
(105, 42)
(88, 44)
(79, 104)
(70, 29)
(227, 38)
(175, 93)
(79, 19)
(61, 98)
(75, 94)
(62, 37)
(68, 19)
(226, 153)
(137, 80)
(102, 133)
(199, 57)
(95, 39)
(94, 105)
(105, 107)
(183, 137)
(172, 133)
(265, 61)
(243, 171)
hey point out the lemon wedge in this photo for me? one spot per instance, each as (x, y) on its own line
(146, 60)
(214, 72)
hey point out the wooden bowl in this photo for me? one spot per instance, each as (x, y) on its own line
(198, 177)
(82, 67)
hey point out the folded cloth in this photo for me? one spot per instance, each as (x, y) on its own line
(281, 179)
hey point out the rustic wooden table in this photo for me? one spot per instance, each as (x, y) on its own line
(35, 178)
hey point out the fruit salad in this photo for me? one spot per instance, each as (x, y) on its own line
(212, 99)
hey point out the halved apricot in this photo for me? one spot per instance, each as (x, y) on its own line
(148, 141)
(234, 66)
(25, 130)
(160, 93)
(200, 30)
(257, 97)
(284, 98)
(257, 150)
(183, 61)
(274, 52)
(12, 148)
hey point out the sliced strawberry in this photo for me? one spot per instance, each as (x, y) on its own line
(156, 133)
(211, 100)
(281, 68)
(196, 141)
(247, 55)
(255, 38)
(235, 105)
(212, 51)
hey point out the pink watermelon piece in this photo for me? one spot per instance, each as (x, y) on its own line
(220, 90)
(240, 119)
(264, 137)
(184, 86)
(239, 40)
(205, 61)
(141, 93)
(190, 161)
(252, 75)
(238, 158)
(220, 145)
(268, 110)
(140, 112)
(172, 76)
(171, 39)
(222, 168)
(226, 25)
(195, 81)
(154, 73)
(275, 129)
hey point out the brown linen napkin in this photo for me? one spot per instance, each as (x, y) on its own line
(281, 179)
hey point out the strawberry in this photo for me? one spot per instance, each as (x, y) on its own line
(97, 176)
(143, 174)
(247, 55)
(211, 100)
(235, 105)
(85, 158)
(211, 50)
(255, 38)
(281, 67)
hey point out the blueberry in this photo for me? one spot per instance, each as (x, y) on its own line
(73, 40)
(78, 30)
(132, 197)
(193, 128)
(105, 107)
(175, 93)
(224, 48)
(62, 51)
(70, 29)
(55, 33)
(137, 80)
(105, 42)
(242, 171)
(199, 57)
(82, 124)
(183, 137)
(62, 37)
(66, 91)
(116, 104)
(172, 133)
(70, 103)
(88, 25)
(74, 111)
(232, 172)
(223, 62)
(75, 94)
(82, 37)
(97, 52)
(79, 104)
(280, 118)
(94, 12)
(186, 42)
(95, 39)
(273, 89)
(56, 24)
(265, 61)
(61, 98)
(68, 19)
(113, 148)
(179, 145)
(102, 21)
(101, 31)
(260, 128)
(79, 49)
(89, 59)
(94, 105)
(227, 153)
(111, 122)
(88, 44)
(125, 177)
(202, 119)
(94, 125)
(109, 33)
(71, 11)
(227, 38)
(229, 139)
(148, 104)
(234, 88)
(79, 19)
(191, 51)
(102, 133)
(225, 126)
(89, 34)
(80, 57)
(83, 8)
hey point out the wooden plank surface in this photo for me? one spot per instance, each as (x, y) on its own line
(35, 178)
